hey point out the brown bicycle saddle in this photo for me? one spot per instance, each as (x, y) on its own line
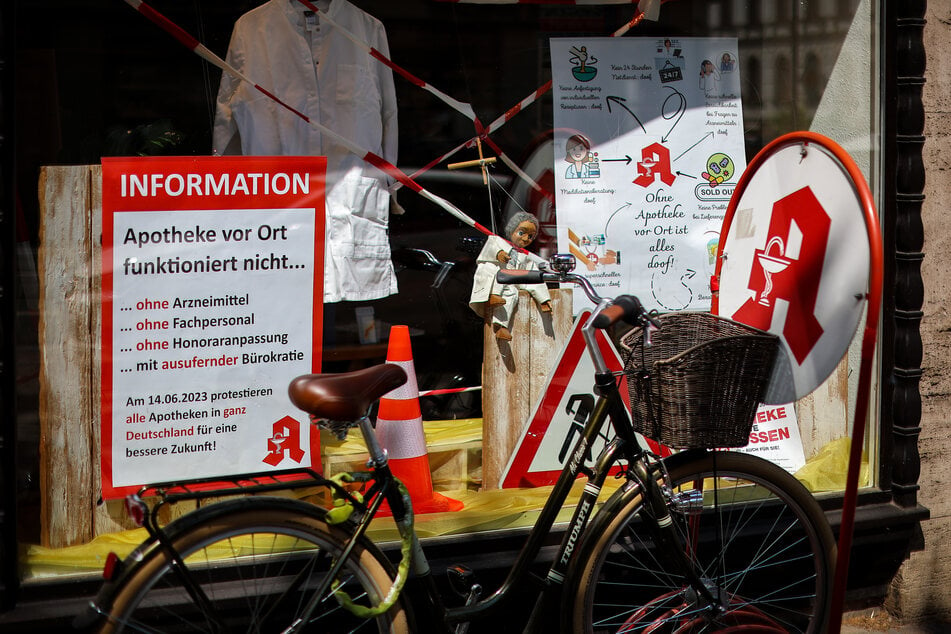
(346, 396)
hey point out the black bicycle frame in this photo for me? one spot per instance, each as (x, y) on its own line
(623, 446)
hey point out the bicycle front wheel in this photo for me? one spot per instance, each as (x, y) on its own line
(251, 565)
(756, 537)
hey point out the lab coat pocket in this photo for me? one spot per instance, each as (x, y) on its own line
(359, 249)
(359, 218)
(358, 106)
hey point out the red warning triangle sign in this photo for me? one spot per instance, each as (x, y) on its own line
(561, 413)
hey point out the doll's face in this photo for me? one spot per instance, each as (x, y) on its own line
(524, 234)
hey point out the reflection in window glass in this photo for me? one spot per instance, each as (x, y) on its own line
(715, 15)
(756, 13)
(107, 82)
(782, 81)
(811, 78)
(740, 12)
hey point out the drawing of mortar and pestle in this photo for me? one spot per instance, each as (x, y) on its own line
(584, 71)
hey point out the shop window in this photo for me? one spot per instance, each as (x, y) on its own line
(808, 10)
(755, 79)
(811, 77)
(740, 11)
(715, 15)
(782, 81)
(784, 10)
(145, 95)
(756, 11)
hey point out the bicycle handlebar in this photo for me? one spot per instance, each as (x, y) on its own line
(520, 276)
(624, 307)
(627, 308)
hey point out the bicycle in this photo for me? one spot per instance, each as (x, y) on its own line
(703, 540)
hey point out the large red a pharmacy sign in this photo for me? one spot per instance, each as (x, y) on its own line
(794, 260)
(212, 275)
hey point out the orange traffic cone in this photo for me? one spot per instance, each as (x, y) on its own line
(399, 426)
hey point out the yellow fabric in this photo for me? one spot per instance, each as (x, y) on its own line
(488, 510)
(438, 433)
(828, 469)
(484, 510)
(40, 561)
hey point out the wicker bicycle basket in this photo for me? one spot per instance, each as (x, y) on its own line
(699, 382)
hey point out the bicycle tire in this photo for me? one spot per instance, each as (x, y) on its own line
(255, 559)
(761, 542)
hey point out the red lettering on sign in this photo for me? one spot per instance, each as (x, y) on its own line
(773, 435)
(776, 275)
(776, 413)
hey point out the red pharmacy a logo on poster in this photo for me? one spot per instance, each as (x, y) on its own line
(284, 442)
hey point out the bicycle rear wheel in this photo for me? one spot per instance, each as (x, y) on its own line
(760, 544)
(255, 562)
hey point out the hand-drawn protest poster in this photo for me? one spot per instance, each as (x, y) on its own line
(212, 278)
(648, 147)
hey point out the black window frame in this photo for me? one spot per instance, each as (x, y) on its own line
(891, 504)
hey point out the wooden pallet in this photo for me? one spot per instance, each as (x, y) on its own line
(454, 448)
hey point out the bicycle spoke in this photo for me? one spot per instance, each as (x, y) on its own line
(761, 553)
(258, 567)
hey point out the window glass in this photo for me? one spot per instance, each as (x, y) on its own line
(97, 79)
(741, 14)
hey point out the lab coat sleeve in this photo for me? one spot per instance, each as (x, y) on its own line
(226, 138)
(388, 104)
(490, 250)
(483, 282)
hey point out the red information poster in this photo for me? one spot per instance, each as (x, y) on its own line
(212, 273)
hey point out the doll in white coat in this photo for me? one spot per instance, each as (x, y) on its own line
(495, 301)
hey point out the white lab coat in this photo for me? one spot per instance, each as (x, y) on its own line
(328, 78)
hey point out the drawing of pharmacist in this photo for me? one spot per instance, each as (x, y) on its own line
(581, 162)
(709, 76)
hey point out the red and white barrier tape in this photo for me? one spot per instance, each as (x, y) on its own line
(373, 159)
(451, 390)
(645, 8)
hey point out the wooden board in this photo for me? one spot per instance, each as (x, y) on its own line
(68, 404)
(514, 374)
(70, 330)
